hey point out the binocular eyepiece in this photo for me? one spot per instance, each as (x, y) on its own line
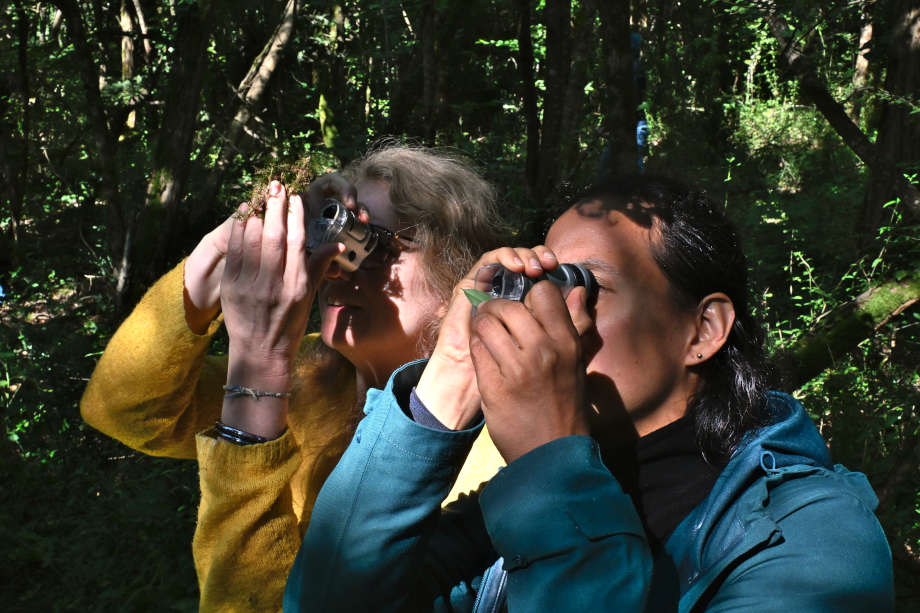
(499, 282)
(337, 223)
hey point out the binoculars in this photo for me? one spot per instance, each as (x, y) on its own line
(336, 223)
(499, 282)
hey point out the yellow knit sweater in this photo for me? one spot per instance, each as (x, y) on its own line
(157, 391)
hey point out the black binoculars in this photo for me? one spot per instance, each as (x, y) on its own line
(499, 282)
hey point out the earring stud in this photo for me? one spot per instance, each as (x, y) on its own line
(699, 356)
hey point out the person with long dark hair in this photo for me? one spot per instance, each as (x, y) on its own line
(648, 465)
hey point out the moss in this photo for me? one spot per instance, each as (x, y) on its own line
(295, 176)
(842, 332)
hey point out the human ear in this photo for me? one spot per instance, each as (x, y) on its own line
(715, 316)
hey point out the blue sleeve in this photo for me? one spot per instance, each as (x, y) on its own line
(364, 547)
(378, 539)
(570, 536)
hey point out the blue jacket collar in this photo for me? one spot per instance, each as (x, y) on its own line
(733, 519)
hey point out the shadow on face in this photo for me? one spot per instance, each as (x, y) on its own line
(611, 425)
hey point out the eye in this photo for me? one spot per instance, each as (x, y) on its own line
(382, 256)
(602, 286)
(604, 275)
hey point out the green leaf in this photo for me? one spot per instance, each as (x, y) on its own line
(476, 297)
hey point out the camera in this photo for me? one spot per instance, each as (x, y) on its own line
(499, 282)
(337, 223)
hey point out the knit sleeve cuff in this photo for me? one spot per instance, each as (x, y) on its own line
(232, 471)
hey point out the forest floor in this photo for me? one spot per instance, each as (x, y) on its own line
(85, 522)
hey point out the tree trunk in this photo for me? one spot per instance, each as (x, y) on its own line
(17, 168)
(159, 230)
(127, 55)
(898, 140)
(142, 25)
(56, 22)
(249, 93)
(619, 89)
(842, 331)
(121, 218)
(428, 35)
(330, 81)
(557, 16)
(861, 67)
(529, 98)
(795, 61)
(575, 92)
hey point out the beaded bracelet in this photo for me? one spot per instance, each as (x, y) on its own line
(235, 391)
(235, 435)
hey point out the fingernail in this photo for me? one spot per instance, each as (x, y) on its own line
(518, 260)
(535, 264)
(274, 188)
(551, 257)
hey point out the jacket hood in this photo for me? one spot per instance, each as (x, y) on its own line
(734, 519)
(790, 439)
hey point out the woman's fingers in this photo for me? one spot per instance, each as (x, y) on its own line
(577, 303)
(532, 262)
(546, 256)
(504, 327)
(251, 248)
(321, 260)
(528, 367)
(234, 259)
(534, 265)
(552, 314)
(274, 229)
(295, 263)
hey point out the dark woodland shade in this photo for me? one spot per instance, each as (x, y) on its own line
(698, 250)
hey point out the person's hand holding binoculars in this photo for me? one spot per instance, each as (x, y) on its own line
(204, 267)
(268, 286)
(447, 387)
(529, 367)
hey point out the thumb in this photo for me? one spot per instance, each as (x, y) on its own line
(454, 333)
(577, 303)
(321, 260)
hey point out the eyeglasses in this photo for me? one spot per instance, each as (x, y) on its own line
(390, 245)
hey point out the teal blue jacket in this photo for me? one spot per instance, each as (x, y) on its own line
(781, 530)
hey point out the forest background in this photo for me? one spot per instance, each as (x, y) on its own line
(131, 127)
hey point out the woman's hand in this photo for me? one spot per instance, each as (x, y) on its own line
(529, 367)
(266, 291)
(447, 386)
(204, 269)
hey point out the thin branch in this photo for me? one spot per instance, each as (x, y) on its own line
(142, 25)
(800, 66)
